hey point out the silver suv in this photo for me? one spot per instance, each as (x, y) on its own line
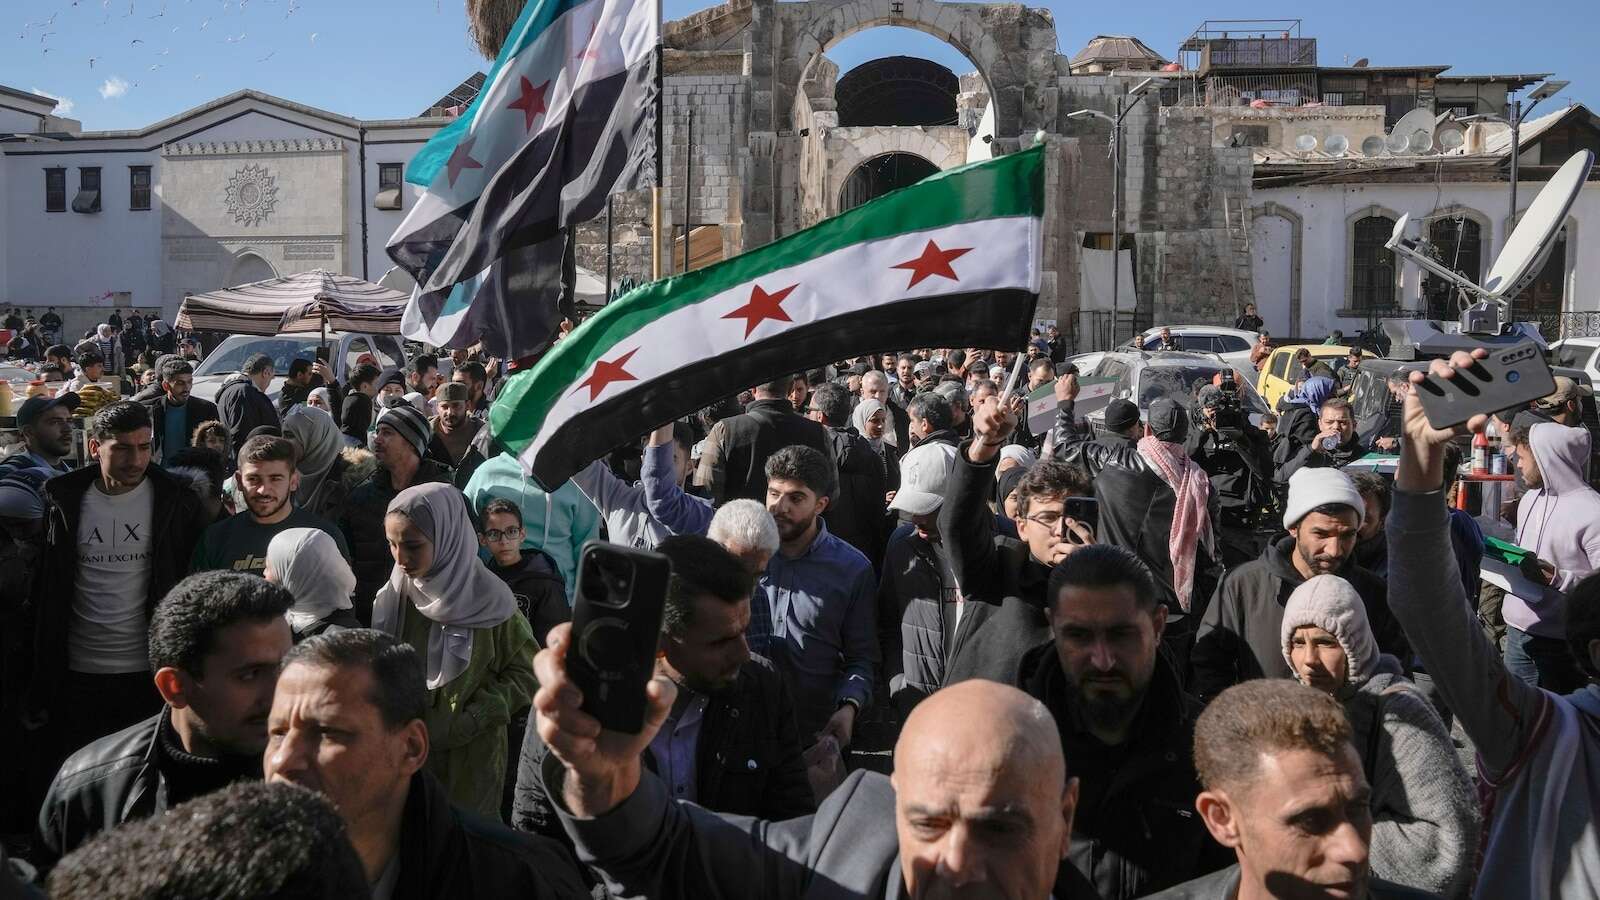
(1144, 376)
(345, 352)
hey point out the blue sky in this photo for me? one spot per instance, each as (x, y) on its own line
(392, 58)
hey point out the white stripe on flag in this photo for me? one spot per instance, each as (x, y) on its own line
(1002, 252)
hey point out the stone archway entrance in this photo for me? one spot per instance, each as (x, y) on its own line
(880, 175)
(247, 268)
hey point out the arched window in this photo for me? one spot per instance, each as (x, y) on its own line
(1458, 241)
(1372, 281)
(1545, 294)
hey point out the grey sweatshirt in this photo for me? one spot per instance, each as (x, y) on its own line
(1560, 522)
(1538, 754)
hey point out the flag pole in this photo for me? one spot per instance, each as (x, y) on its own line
(661, 115)
(688, 189)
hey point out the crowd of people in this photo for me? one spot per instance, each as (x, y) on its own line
(315, 645)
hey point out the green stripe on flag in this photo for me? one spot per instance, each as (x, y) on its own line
(534, 20)
(1008, 186)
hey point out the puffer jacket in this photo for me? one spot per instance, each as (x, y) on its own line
(1424, 809)
(243, 407)
(913, 636)
(370, 490)
(1560, 522)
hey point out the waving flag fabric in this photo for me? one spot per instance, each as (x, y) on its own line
(566, 117)
(953, 260)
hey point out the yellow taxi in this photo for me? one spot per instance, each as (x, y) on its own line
(1280, 371)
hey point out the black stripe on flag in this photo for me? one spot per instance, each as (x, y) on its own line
(987, 319)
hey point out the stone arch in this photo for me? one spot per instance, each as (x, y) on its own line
(909, 141)
(1348, 261)
(1274, 210)
(249, 266)
(1021, 84)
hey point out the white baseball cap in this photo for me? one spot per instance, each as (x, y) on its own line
(924, 472)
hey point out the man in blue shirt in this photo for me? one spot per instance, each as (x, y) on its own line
(819, 594)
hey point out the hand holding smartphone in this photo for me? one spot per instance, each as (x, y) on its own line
(616, 625)
(1507, 377)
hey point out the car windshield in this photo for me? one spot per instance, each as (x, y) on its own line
(1182, 382)
(230, 355)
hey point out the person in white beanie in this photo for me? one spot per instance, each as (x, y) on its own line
(917, 598)
(1238, 637)
(1424, 810)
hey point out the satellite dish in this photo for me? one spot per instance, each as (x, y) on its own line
(1397, 141)
(1519, 261)
(1305, 143)
(1360, 63)
(1451, 139)
(1421, 141)
(1531, 240)
(1372, 146)
(1419, 119)
(1336, 145)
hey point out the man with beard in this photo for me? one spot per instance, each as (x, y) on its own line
(729, 743)
(46, 426)
(1336, 444)
(1125, 723)
(931, 420)
(266, 480)
(215, 643)
(1372, 545)
(1239, 633)
(816, 601)
(175, 412)
(453, 429)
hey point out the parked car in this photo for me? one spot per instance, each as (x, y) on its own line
(1280, 372)
(1144, 377)
(1232, 344)
(345, 352)
(1578, 353)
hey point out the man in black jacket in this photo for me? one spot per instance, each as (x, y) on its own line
(1125, 723)
(1239, 633)
(215, 643)
(1335, 445)
(175, 412)
(733, 460)
(1003, 579)
(347, 722)
(917, 608)
(119, 535)
(856, 514)
(730, 742)
(931, 420)
(1237, 457)
(243, 403)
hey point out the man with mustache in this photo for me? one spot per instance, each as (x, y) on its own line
(1125, 722)
(1238, 637)
(215, 643)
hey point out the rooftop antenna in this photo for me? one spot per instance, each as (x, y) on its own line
(1521, 258)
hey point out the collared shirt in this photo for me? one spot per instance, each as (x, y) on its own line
(824, 638)
(674, 746)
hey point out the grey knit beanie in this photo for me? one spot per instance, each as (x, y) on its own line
(409, 424)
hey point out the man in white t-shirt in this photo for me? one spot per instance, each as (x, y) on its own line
(120, 533)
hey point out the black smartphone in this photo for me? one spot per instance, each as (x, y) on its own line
(1507, 377)
(322, 352)
(1083, 510)
(616, 622)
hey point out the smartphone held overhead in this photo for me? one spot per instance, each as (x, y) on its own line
(1507, 377)
(616, 623)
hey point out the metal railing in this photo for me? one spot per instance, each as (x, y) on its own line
(1089, 330)
(1562, 325)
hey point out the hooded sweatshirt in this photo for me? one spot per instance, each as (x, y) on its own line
(1424, 811)
(557, 522)
(1560, 522)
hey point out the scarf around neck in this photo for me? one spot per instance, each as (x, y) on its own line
(1190, 522)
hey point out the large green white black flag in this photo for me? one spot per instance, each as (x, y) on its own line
(953, 260)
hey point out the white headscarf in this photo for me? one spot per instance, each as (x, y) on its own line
(865, 410)
(307, 563)
(318, 437)
(103, 330)
(458, 595)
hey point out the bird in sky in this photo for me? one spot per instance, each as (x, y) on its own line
(235, 40)
(91, 61)
(164, 52)
(205, 23)
(313, 37)
(135, 41)
(45, 35)
(267, 57)
(155, 67)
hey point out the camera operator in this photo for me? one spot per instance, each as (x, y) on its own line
(1237, 458)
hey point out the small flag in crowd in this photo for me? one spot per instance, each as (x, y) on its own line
(953, 260)
(566, 117)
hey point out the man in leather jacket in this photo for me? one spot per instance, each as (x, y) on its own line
(1238, 459)
(215, 643)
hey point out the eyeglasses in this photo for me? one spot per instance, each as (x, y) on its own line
(496, 535)
(1049, 519)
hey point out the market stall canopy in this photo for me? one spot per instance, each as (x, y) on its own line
(296, 303)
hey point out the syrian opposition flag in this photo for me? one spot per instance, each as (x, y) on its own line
(953, 261)
(566, 117)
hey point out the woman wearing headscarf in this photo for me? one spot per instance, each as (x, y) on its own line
(162, 339)
(1424, 810)
(355, 419)
(463, 620)
(870, 419)
(307, 562)
(110, 349)
(322, 488)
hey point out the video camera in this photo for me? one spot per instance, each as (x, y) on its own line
(1226, 405)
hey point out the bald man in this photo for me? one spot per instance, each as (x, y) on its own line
(980, 799)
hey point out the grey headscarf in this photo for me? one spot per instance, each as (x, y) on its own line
(864, 411)
(458, 595)
(307, 563)
(318, 438)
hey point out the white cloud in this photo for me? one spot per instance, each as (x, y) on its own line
(113, 88)
(63, 105)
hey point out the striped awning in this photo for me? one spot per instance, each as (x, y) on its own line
(296, 303)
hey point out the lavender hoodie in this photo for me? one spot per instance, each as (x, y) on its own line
(1560, 522)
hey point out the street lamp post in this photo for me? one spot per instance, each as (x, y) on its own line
(1545, 90)
(1125, 105)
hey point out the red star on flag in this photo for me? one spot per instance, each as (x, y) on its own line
(460, 159)
(933, 261)
(531, 102)
(606, 373)
(761, 307)
(587, 52)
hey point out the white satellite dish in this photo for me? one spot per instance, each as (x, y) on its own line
(1305, 143)
(1397, 141)
(1521, 258)
(1421, 141)
(1419, 119)
(1450, 139)
(1336, 145)
(1372, 146)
